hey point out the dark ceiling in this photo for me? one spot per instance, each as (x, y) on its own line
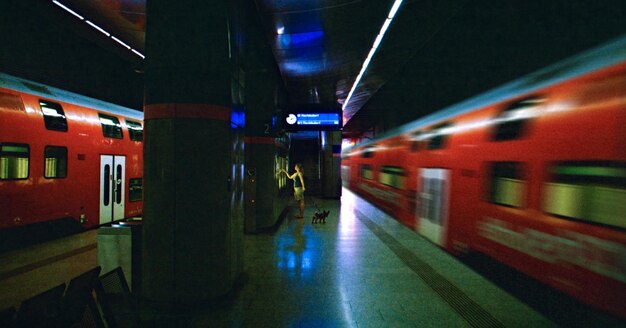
(435, 53)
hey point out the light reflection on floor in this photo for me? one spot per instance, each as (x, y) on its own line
(337, 274)
(293, 256)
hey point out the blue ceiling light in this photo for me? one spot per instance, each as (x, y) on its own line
(300, 40)
(299, 67)
(306, 39)
(370, 55)
(301, 53)
(280, 28)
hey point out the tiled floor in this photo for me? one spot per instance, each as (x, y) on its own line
(360, 269)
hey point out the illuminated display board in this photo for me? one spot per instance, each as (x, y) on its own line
(295, 121)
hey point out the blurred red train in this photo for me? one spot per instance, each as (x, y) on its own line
(63, 156)
(532, 174)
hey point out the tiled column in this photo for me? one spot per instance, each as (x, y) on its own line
(193, 230)
(330, 151)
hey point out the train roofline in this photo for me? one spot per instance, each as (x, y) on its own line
(610, 53)
(41, 90)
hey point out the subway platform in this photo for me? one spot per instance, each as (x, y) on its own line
(359, 269)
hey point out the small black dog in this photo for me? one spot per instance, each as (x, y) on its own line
(320, 217)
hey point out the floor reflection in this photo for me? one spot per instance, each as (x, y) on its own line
(293, 255)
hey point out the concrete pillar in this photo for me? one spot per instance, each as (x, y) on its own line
(263, 90)
(266, 199)
(330, 155)
(193, 222)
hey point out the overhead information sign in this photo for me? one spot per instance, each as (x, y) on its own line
(313, 121)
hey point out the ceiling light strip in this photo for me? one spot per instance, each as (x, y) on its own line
(98, 28)
(394, 9)
(90, 23)
(120, 42)
(370, 55)
(68, 9)
(138, 53)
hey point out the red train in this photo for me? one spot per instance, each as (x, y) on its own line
(63, 156)
(532, 174)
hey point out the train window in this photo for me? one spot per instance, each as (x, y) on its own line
(507, 185)
(366, 172)
(416, 141)
(14, 160)
(55, 162)
(11, 102)
(135, 130)
(111, 126)
(135, 189)
(511, 123)
(392, 176)
(53, 115)
(118, 183)
(368, 152)
(589, 191)
(106, 192)
(438, 137)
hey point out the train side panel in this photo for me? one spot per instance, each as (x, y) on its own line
(558, 224)
(536, 181)
(62, 168)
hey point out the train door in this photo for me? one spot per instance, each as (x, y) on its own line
(112, 177)
(432, 215)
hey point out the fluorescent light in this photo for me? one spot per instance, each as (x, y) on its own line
(98, 28)
(92, 24)
(368, 59)
(377, 41)
(394, 8)
(67, 9)
(120, 42)
(359, 77)
(370, 55)
(385, 26)
(138, 53)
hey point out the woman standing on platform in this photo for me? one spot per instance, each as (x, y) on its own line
(298, 187)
